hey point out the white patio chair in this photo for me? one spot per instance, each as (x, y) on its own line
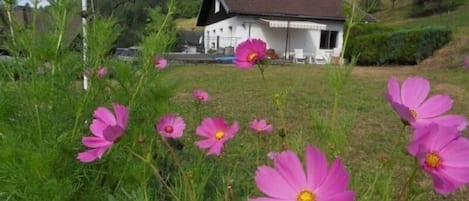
(299, 57)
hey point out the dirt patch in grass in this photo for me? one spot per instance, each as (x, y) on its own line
(450, 56)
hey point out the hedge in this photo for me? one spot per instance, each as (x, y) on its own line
(407, 46)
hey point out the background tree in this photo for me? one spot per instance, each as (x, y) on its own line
(131, 16)
(370, 5)
(422, 8)
(187, 8)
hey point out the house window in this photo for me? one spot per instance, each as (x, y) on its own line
(217, 6)
(328, 39)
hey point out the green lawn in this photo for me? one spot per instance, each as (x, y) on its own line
(43, 119)
(370, 126)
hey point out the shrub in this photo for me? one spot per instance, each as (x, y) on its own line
(407, 46)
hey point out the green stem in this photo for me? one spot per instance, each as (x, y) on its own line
(198, 109)
(261, 69)
(10, 22)
(156, 172)
(188, 185)
(79, 112)
(257, 149)
(403, 194)
(349, 28)
(394, 147)
(334, 112)
(38, 119)
(137, 89)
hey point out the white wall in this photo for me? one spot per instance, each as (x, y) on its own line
(249, 27)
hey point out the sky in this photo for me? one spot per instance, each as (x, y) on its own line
(41, 2)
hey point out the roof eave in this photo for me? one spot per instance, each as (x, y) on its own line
(292, 16)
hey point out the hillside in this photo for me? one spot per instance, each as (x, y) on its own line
(451, 55)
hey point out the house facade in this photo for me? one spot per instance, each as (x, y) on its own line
(316, 27)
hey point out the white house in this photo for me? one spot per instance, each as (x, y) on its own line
(313, 27)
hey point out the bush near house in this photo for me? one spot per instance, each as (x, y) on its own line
(407, 46)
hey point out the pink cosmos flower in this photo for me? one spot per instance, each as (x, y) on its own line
(101, 72)
(106, 128)
(409, 102)
(160, 62)
(260, 126)
(289, 181)
(249, 53)
(216, 132)
(200, 95)
(170, 126)
(444, 154)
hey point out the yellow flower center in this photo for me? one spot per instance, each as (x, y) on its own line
(252, 56)
(168, 129)
(414, 114)
(219, 135)
(306, 196)
(432, 160)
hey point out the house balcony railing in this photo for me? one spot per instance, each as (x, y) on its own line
(215, 42)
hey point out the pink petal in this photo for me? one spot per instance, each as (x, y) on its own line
(443, 135)
(215, 149)
(403, 111)
(244, 64)
(271, 183)
(444, 185)
(434, 106)
(220, 124)
(232, 130)
(205, 131)
(97, 127)
(268, 129)
(105, 116)
(122, 115)
(95, 142)
(207, 128)
(336, 181)
(421, 135)
(111, 133)
(267, 199)
(393, 90)
(458, 175)
(203, 144)
(456, 155)
(91, 154)
(457, 121)
(414, 91)
(343, 196)
(290, 168)
(316, 166)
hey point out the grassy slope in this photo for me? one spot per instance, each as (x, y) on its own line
(188, 24)
(449, 56)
